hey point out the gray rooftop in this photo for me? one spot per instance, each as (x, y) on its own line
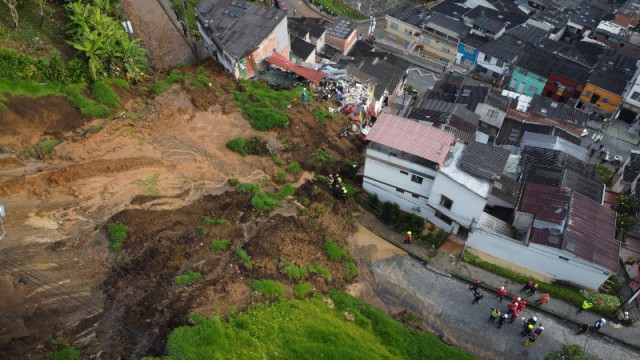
(513, 130)
(610, 79)
(341, 28)
(571, 70)
(301, 48)
(473, 40)
(238, 26)
(536, 61)
(447, 26)
(315, 28)
(528, 33)
(483, 161)
(410, 15)
(490, 24)
(544, 107)
(505, 48)
(453, 8)
(552, 142)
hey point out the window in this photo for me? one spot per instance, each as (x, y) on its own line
(446, 49)
(415, 195)
(492, 114)
(533, 89)
(408, 31)
(392, 37)
(604, 100)
(500, 63)
(404, 172)
(587, 93)
(444, 218)
(446, 202)
(487, 58)
(416, 178)
(444, 60)
(635, 96)
(495, 75)
(400, 190)
(406, 42)
(394, 26)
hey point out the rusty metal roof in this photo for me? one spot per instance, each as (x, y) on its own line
(546, 203)
(590, 232)
(412, 137)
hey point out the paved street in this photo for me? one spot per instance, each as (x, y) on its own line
(445, 304)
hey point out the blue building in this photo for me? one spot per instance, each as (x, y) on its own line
(467, 56)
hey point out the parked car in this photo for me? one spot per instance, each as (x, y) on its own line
(281, 5)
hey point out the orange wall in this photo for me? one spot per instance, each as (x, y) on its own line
(613, 99)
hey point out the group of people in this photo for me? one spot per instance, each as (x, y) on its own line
(333, 89)
(335, 185)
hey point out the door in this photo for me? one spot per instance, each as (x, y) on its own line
(594, 98)
(521, 88)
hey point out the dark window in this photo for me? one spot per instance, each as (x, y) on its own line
(404, 172)
(446, 202)
(391, 153)
(444, 218)
(563, 258)
(400, 190)
(415, 195)
(416, 178)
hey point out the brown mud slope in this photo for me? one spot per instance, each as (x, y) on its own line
(161, 168)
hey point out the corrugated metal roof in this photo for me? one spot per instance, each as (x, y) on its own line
(412, 137)
(546, 203)
(590, 232)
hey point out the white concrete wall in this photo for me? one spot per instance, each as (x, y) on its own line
(467, 205)
(391, 175)
(492, 64)
(483, 108)
(282, 37)
(539, 258)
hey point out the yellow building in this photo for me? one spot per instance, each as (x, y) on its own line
(604, 89)
(403, 25)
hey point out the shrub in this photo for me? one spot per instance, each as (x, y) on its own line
(117, 234)
(390, 213)
(304, 201)
(267, 287)
(252, 188)
(317, 269)
(265, 202)
(293, 271)
(276, 159)
(46, 146)
(372, 200)
(208, 221)
(233, 181)
(202, 230)
(103, 94)
(302, 290)
(188, 278)
(220, 245)
(68, 353)
(285, 190)
(174, 77)
(352, 270)
(571, 352)
(334, 251)
(254, 146)
(237, 145)
(413, 223)
(608, 303)
(320, 157)
(86, 106)
(246, 259)
(158, 88)
(294, 167)
(281, 175)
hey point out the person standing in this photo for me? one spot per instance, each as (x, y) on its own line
(528, 330)
(533, 289)
(585, 306)
(330, 180)
(522, 304)
(513, 307)
(502, 292)
(495, 314)
(527, 286)
(407, 239)
(343, 197)
(583, 329)
(478, 296)
(599, 323)
(543, 299)
(476, 285)
(514, 315)
(502, 319)
(623, 316)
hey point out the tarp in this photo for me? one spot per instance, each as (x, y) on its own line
(310, 74)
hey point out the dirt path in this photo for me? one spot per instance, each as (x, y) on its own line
(163, 41)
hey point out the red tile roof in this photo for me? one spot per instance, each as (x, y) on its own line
(411, 137)
(590, 232)
(547, 203)
(310, 74)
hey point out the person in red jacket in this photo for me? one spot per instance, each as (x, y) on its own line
(515, 315)
(513, 307)
(502, 292)
(521, 305)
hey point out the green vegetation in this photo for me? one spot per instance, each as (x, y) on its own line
(104, 43)
(265, 202)
(317, 269)
(608, 303)
(252, 146)
(149, 184)
(571, 352)
(246, 259)
(159, 87)
(285, 190)
(191, 15)
(233, 181)
(103, 94)
(202, 230)
(208, 221)
(321, 115)
(94, 129)
(302, 290)
(252, 188)
(293, 271)
(340, 8)
(281, 175)
(352, 270)
(294, 167)
(188, 278)
(320, 157)
(86, 106)
(390, 213)
(373, 201)
(628, 206)
(307, 329)
(46, 146)
(68, 353)
(572, 295)
(276, 159)
(268, 288)
(263, 106)
(117, 234)
(220, 245)
(334, 251)
(603, 173)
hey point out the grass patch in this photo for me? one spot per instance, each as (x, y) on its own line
(307, 329)
(252, 188)
(233, 181)
(267, 287)
(202, 230)
(352, 270)
(304, 201)
(556, 291)
(285, 190)
(86, 106)
(262, 105)
(293, 271)
(252, 146)
(265, 202)
(246, 259)
(208, 221)
(340, 8)
(117, 234)
(320, 157)
(103, 94)
(46, 146)
(175, 76)
(334, 251)
(68, 353)
(302, 290)
(603, 173)
(276, 159)
(94, 129)
(220, 245)
(317, 269)
(294, 167)
(188, 278)
(281, 175)
(158, 88)
(322, 115)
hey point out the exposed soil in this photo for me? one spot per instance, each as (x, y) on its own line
(161, 168)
